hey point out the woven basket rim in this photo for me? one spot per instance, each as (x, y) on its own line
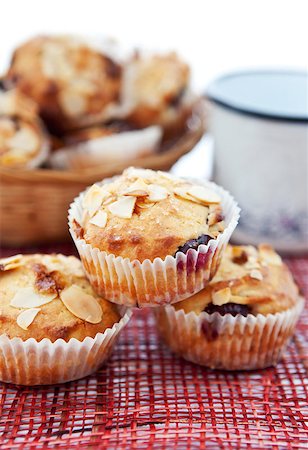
(83, 176)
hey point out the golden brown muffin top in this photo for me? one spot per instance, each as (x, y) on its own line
(255, 279)
(68, 78)
(48, 296)
(145, 214)
(154, 86)
(23, 141)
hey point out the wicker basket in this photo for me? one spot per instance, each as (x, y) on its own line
(34, 204)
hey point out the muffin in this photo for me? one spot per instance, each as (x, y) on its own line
(54, 328)
(242, 319)
(99, 145)
(23, 141)
(149, 238)
(155, 90)
(72, 82)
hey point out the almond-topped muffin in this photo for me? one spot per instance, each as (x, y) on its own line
(53, 292)
(242, 319)
(248, 281)
(23, 140)
(151, 221)
(145, 215)
(72, 82)
(156, 91)
(54, 327)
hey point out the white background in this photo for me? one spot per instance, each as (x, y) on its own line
(213, 35)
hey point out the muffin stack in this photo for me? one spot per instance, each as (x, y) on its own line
(146, 238)
(150, 239)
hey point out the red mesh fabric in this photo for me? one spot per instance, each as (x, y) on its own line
(147, 398)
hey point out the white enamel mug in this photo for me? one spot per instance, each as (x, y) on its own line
(259, 121)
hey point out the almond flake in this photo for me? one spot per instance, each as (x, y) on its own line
(123, 208)
(94, 198)
(28, 298)
(109, 200)
(132, 172)
(12, 262)
(100, 219)
(255, 273)
(157, 193)
(25, 318)
(144, 205)
(204, 195)
(182, 192)
(137, 193)
(221, 297)
(81, 304)
(139, 186)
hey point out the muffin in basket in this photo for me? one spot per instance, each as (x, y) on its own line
(72, 82)
(23, 140)
(103, 144)
(54, 328)
(149, 238)
(155, 90)
(242, 319)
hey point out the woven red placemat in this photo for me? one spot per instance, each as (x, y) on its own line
(147, 398)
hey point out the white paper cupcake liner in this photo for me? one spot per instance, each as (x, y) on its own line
(227, 342)
(35, 363)
(124, 146)
(158, 282)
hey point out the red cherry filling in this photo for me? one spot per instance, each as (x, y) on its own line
(228, 308)
(194, 243)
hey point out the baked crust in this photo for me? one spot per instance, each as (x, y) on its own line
(23, 141)
(50, 274)
(72, 82)
(248, 276)
(155, 90)
(155, 231)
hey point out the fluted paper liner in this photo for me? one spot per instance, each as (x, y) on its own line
(227, 342)
(158, 282)
(35, 363)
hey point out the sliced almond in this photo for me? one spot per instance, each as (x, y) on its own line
(182, 192)
(28, 298)
(144, 205)
(255, 273)
(132, 172)
(25, 318)
(123, 208)
(138, 189)
(222, 296)
(109, 200)
(94, 198)
(157, 193)
(100, 219)
(137, 193)
(204, 195)
(12, 262)
(81, 304)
